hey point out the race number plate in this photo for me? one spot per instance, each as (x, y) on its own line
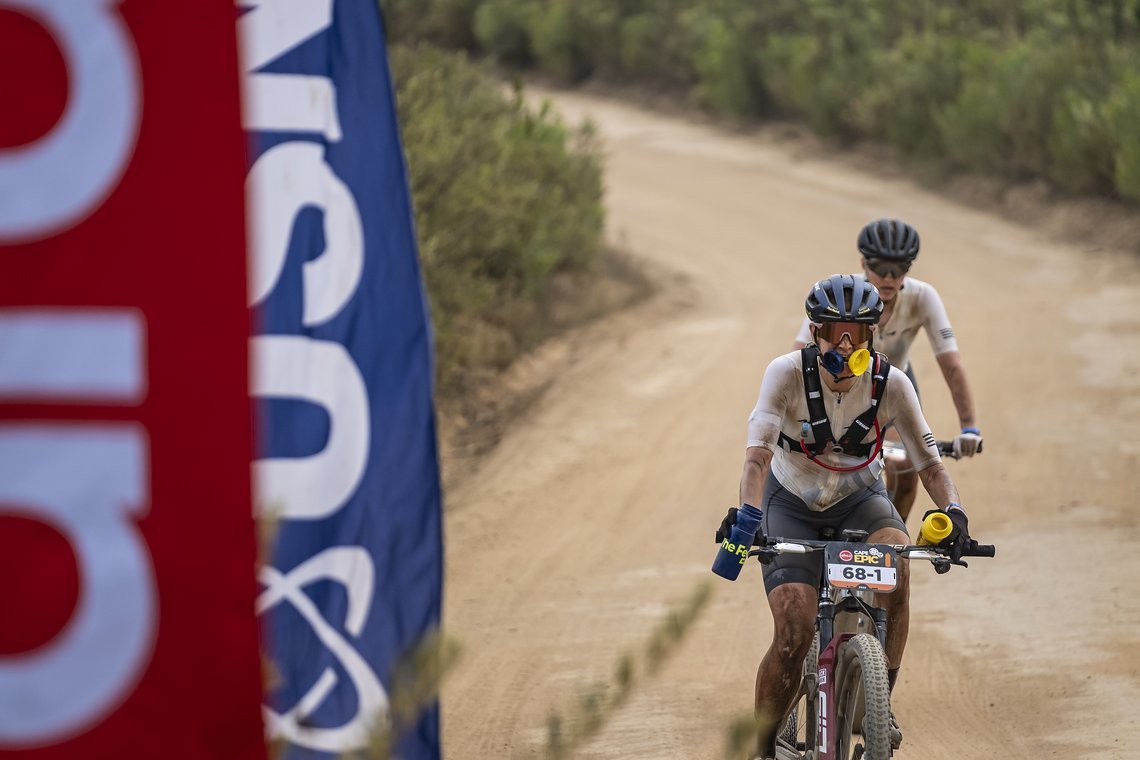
(862, 566)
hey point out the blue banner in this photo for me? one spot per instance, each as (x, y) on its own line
(342, 375)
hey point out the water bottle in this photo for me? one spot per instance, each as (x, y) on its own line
(734, 550)
(936, 527)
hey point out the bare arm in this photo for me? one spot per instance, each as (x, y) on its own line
(937, 483)
(757, 460)
(955, 375)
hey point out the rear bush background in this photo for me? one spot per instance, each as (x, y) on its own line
(1020, 89)
(506, 199)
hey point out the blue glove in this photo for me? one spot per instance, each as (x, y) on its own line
(725, 529)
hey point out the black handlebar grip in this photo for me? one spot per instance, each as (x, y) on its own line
(982, 550)
(946, 448)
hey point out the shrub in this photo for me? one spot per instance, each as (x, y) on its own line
(1019, 88)
(501, 29)
(504, 196)
(561, 41)
(909, 86)
(656, 48)
(452, 23)
(1081, 145)
(727, 80)
(1123, 115)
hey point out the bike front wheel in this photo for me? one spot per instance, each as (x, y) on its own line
(863, 700)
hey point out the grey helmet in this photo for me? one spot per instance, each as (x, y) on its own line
(888, 239)
(844, 298)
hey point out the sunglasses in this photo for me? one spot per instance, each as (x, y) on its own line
(887, 268)
(833, 332)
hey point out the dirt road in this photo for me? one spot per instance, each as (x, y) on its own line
(595, 514)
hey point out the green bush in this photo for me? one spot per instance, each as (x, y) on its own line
(562, 41)
(1123, 112)
(501, 29)
(452, 23)
(1020, 88)
(449, 23)
(405, 20)
(908, 89)
(504, 197)
(1003, 116)
(656, 49)
(802, 81)
(1081, 145)
(640, 37)
(727, 71)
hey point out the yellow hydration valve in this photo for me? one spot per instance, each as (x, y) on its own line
(859, 361)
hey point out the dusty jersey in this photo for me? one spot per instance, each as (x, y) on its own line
(917, 305)
(782, 408)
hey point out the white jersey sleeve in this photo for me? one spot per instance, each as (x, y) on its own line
(773, 404)
(937, 324)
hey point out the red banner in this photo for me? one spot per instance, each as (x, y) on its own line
(127, 547)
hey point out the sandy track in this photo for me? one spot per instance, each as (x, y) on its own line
(595, 513)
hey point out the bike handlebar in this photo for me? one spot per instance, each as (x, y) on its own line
(946, 449)
(980, 550)
(935, 554)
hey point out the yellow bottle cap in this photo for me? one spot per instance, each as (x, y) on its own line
(935, 528)
(859, 361)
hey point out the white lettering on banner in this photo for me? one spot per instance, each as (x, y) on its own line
(271, 28)
(352, 568)
(322, 372)
(58, 180)
(285, 102)
(89, 482)
(291, 103)
(72, 355)
(283, 181)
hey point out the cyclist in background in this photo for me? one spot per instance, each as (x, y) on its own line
(889, 248)
(812, 463)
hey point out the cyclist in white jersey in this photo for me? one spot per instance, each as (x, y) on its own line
(889, 247)
(814, 464)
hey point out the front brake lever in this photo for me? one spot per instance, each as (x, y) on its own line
(765, 554)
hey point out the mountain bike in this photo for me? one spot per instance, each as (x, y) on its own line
(843, 708)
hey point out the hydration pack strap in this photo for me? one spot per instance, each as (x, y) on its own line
(861, 425)
(851, 442)
(813, 390)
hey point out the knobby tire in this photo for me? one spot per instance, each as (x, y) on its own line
(863, 700)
